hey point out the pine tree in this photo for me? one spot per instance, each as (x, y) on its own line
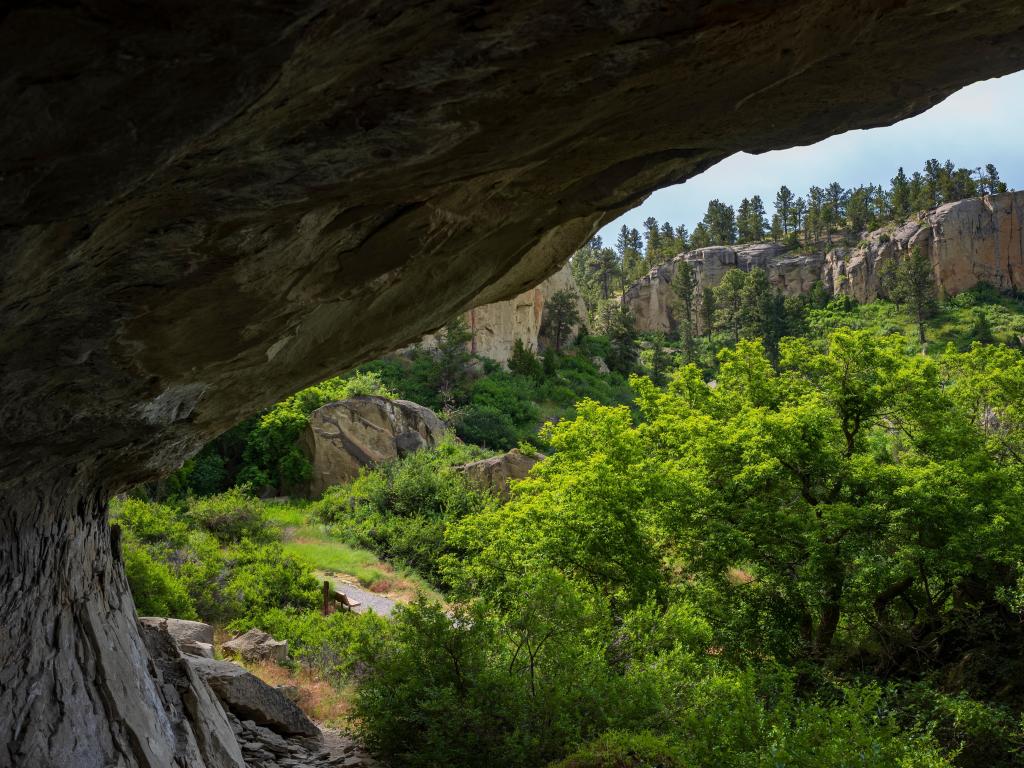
(684, 286)
(628, 245)
(784, 207)
(451, 359)
(913, 284)
(660, 359)
(700, 238)
(560, 316)
(720, 222)
(729, 302)
(682, 238)
(707, 312)
(758, 223)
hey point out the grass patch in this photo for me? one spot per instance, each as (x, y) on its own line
(320, 700)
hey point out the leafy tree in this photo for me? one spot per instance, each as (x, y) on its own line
(707, 311)
(913, 284)
(560, 317)
(452, 360)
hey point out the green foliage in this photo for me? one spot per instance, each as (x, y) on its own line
(155, 587)
(560, 316)
(217, 559)
(524, 363)
(231, 517)
(401, 510)
(272, 455)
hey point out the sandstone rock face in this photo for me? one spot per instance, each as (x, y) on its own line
(651, 298)
(969, 242)
(257, 645)
(208, 206)
(497, 326)
(248, 697)
(494, 474)
(364, 431)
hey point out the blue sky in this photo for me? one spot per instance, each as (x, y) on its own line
(979, 124)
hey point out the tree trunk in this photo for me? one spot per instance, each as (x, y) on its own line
(77, 684)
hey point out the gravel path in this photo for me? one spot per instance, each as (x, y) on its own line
(367, 600)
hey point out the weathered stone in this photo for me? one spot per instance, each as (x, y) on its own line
(257, 645)
(207, 206)
(202, 728)
(968, 242)
(246, 696)
(181, 629)
(196, 649)
(972, 241)
(364, 431)
(494, 474)
(496, 327)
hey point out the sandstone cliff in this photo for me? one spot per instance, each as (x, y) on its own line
(497, 326)
(969, 242)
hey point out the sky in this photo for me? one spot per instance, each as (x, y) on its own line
(979, 124)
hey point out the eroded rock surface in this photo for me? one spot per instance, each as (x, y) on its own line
(494, 474)
(497, 326)
(969, 242)
(257, 645)
(248, 697)
(364, 431)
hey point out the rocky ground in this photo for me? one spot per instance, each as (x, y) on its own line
(264, 748)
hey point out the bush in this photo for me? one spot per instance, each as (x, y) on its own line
(156, 589)
(159, 525)
(622, 749)
(401, 510)
(487, 426)
(231, 517)
(262, 577)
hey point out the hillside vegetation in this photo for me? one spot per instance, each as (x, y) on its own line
(790, 535)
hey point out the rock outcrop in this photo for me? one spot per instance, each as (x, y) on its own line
(256, 645)
(494, 474)
(207, 206)
(651, 298)
(969, 242)
(193, 637)
(497, 326)
(249, 698)
(364, 431)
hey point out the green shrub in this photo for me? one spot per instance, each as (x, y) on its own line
(231, 517)
(622, 749)
(401, 510)
(149, 522)
(487, 426)
(263, 577)
(156, 589)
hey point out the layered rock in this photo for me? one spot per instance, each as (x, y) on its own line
(497, 326)
(494, 474)
(968, 242)
(256, 645)
(978, 240)
(207, 206)
(652, 300)
(364, 431)
(193, 637)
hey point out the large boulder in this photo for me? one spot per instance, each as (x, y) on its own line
(193, 637)
(257, 645)
(364, 431)
(494, 474)
(249, 698)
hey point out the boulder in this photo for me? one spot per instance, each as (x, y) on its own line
(249, 698)
(193, 637)
(202, 727)
(494, 474)
(364, 431)
(257, 645)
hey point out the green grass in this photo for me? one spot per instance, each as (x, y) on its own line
(287, 515)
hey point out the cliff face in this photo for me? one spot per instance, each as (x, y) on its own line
(651, 298)
(968, 242)
(497, 326)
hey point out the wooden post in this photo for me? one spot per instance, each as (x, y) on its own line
(327, 597)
